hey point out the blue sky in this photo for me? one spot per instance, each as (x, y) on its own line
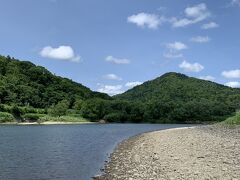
(110, 46)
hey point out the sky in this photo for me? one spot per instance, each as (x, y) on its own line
(111, 46)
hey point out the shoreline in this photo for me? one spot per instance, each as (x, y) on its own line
(209, 152)
(47, 123)
(102, 175)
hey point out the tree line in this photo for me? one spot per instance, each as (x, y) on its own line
(31, 92)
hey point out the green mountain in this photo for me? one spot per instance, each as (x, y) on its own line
(179, 87)
(27, 90)
(24, 84)
(177, 97)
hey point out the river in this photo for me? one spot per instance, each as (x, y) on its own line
(66, 152)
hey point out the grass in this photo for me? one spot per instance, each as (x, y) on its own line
(63, 119)
(232, 121)
(6, 117)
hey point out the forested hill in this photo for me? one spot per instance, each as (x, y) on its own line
(170, 98)
(177, 97)
(25, 84)
(180, 88)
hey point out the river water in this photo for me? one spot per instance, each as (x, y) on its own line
(66, 152)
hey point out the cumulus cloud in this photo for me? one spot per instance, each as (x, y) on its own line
(110, 89)
(210, 25)
(151, 21)
(207, 78)
(61, 53)
(173, 50)
(194, 14)
(231, 74)
(172, 55)
(235, 3)
(200, 39)
(233, 84)
(133, 84)
(195, 67)
(112, 77)
(117, 60)
(176, 46)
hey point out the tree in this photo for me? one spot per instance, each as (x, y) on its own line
(59, 109)
(93, 109)
(78, 104)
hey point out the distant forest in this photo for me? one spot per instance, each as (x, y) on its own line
(30, 92)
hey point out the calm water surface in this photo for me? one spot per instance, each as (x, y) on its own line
(69, 152)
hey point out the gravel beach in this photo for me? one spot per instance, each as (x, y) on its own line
(208, 152)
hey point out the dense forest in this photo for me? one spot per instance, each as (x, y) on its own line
(32, 93)
(24, 84)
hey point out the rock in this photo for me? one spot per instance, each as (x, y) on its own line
(102, 121)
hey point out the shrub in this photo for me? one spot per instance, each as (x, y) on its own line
(6, 117)
(59, 109)
(32, 116)
(115, 117)
(5, 108)
(29, 109)
(235, 120)
(16, 111)
(63, 119)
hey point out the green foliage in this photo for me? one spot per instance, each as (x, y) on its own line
(59, 109)
(62, 119)
(5, 108)
(232, 121)
(93, 109)
(24, 84)
(115, 117)
(78, 104)
(27, 89)
(32, 116)
(178, 98)
(6, 117)
(16, 111)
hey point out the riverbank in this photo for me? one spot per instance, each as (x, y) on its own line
(46, 123)
(208, 152)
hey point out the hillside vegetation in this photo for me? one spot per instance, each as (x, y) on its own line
(32, 93)
(177, 97)
(232, 121)
(24, 84)
(27, 89)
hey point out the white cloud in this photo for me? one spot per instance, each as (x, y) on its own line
(199, 12)
(200, 39)
(173, 50)
(110, 89)
(233, 84)
(117, 60)
(151, 21)
(176, 46)
(133, 84)
(112, 77)
(235, 2)
(172, 55)
(231, 74)
(210, 25)
(181, 22)
(61, 52)
(193, 15)
(195, 67)
(207, 78)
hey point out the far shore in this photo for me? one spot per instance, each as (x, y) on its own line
(46, 123)
(205, 152)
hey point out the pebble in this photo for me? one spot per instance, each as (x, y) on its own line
(208, 152)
